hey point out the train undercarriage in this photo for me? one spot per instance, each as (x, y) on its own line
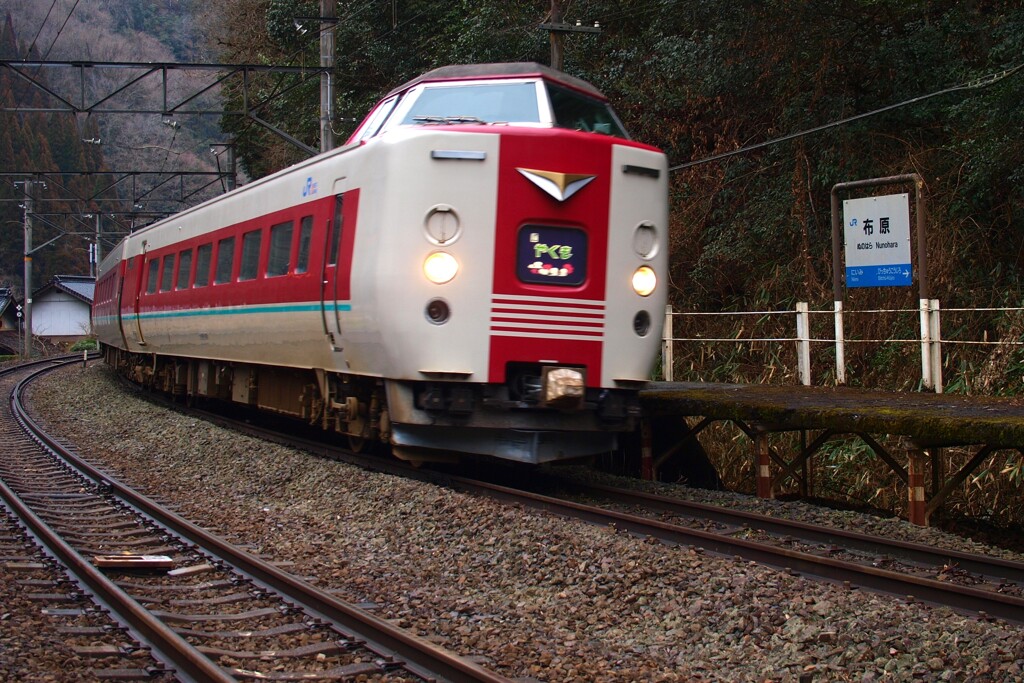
(426, 421)
(350, 405)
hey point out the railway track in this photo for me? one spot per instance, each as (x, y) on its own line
(977, 584)
(199, 608)
(970, 582)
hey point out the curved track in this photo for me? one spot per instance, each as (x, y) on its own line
(972, 583)
(221, 613)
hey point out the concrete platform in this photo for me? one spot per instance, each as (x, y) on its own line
(926, 423)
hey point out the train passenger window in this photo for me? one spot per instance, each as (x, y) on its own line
(225, 260)
(154, 275)
(184, 269)
(250, 255)
(280, 249)
(168, 275)
(305, 234)
(203, 254)
(332, 252)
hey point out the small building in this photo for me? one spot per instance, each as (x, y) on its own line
(10, 344)
(62, 308)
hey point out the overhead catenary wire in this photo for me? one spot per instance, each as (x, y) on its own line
(975, 84)
(279, 84)
(61, 30)
(28, 52)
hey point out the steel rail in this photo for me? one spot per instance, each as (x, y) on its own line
(964, 598)
(422, 657)
(973, 600)
(906, 550)
(166, 645)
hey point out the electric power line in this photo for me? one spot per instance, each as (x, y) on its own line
(976, 84)
(61, 29)
(28, 52)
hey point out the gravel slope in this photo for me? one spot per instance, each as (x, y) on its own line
(533, 596)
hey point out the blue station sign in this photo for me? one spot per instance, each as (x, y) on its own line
(877, 238)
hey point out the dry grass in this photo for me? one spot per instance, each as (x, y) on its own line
(847, 470)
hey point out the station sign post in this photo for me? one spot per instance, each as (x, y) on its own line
(877, 242)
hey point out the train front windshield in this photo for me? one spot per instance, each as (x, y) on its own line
(484, 103)
(523, 102)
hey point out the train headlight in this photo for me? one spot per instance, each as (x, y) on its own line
(440, 267)
(644, 280)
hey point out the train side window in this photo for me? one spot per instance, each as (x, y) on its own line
(250, 255)
(225, 260)
(280, 249)
(167, 279)
(332, 254)
(154, 275)
(305, 235)
(203, 254)
(377, 118)
(184, 269)
(576, 111)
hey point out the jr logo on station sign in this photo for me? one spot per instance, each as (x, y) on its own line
(877, 235)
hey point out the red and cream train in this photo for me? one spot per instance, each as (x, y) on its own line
(475, 271)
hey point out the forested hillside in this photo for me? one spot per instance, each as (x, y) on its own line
(701, 79)
(95, 30)
(749, 231)
(36, 142)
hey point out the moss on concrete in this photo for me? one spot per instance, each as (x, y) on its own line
(928, 419)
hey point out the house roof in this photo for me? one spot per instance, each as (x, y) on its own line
(6, 299)
(81, 287)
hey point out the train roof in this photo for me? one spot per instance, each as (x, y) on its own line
(500, 70)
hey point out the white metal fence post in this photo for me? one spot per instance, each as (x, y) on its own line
(926, 346)
(935, 326)
(840, 351)
(803, 342)
(666, 345)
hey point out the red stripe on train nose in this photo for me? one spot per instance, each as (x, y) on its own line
(569, 337)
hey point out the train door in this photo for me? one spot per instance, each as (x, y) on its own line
(336, 288)
(122, 282)
(329, 287)
(141, 270)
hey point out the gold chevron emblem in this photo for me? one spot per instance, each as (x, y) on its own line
(561, 186)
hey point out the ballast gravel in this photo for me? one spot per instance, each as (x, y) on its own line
(533, 596)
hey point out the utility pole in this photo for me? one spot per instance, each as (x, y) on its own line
(228, 181)
(558, 29)
(328, 20)
(557, 37)
(232, 170)
(28, 265)
(99, 251)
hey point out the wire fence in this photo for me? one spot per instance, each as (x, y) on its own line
(978, 349)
